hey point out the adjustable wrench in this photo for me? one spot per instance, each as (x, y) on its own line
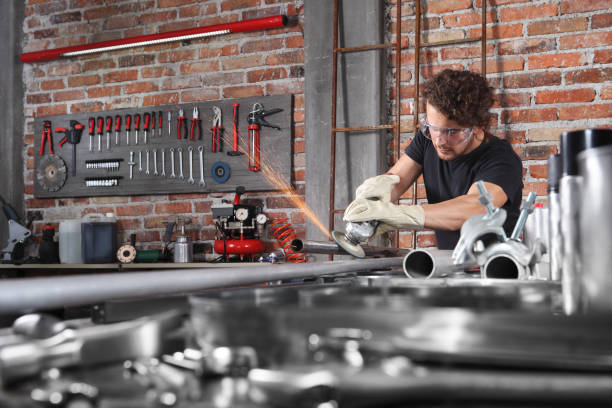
(202, 182)
(190, 180)
(172, 175)
(180, 157)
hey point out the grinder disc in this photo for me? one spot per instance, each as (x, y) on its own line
(51, 173)
(354, 249)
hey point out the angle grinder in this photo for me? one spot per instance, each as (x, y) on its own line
(356, 234)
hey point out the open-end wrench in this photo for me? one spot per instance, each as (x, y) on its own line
(190, 180)
(140, 160)
(131, 163)
(163, 163)
(202, 182)
(172, 175)
(155, 162)
(180, 158)
(147, 171)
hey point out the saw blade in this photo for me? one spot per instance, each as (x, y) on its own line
(354, 249)
(51, 173)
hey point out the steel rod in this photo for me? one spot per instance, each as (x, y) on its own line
(320, 247)
(21, 295)
(332, 151)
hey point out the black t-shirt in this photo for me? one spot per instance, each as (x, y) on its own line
(494, 162)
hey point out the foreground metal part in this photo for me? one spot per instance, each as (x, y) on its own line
(432, 263)
(321, 247)
(18, 295)
(570, 191)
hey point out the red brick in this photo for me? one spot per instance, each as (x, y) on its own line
(134, 210)
(98, 65)
(285, 87)
(606, 93)
(500, 65)
(592, 75)
(296, 41)
(293, 57)
(68, 95)
(46, 33)
(298, 146)
(570, 59)
(201, 66)
(590, 111)
(537, 152)
(104, 91)
(565, 96)
(405, 240)
(141, 87)
(527, 12)
(539, 171)
(298, 116)
(602, 56)
(538, 187)
(261, 45)
(529, 115)
(160, 99)
(174, 3)
(586, 40)
(526, 46)
(243, 91)
(126, 224)
(55, 109)
(175, 56)
(99, 13)
(498, 31)
(444, 6)
(86, 107)
(177, 25)
(37, 99)
(202, 94)
(187, 12)
(222, 78)
(156, 72)
(232, 5)
(136, 60)
(173, 208)
(66, 17)
(121, 76)
(573, 6)
(51, 7)
(298, 131)
(467, 19)
(64, 69)
(203, 206)
(242, 62)
(84, 80)
(279, 202)
(429, 71)
(558, 26)
(70, 41)
(601, 21)
(40, 203)
(532, 80)
(269, 74)
(157, 17)
(53, 84)
(506, 100)
(181, 83)
(426, 240)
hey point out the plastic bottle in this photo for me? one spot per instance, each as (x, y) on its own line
(70, 242)
(99, 238)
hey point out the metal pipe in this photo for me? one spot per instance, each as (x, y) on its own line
(502, 267)
(321, 247)
(555, 239)
(19, 295)
(525, 211)
(570, 191)
(434, 263)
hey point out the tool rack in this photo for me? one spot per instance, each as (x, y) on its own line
(91, 170)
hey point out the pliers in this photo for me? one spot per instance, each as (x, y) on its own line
(195, 123)
(217, 130)
(46, 135)
(182, 124)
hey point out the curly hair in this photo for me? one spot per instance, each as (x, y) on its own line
(462, 96)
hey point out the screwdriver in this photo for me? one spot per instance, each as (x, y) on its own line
(109, 124)
(136, 125)
(92, 124)
(99, 131)
(128, 125)
(147, 119)
(159, 127)
(117, 127)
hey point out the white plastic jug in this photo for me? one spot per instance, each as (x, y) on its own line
(70, 242)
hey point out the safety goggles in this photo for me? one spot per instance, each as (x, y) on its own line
(451, 136)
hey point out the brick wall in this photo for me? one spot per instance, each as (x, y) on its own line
(550, 61)
(239, 65)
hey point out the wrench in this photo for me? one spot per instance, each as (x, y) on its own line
(180, 157)
(155, 162)
(140, 160)
(202, 182)
(191, 180)
(172, 175)
(147, 172)
(163, 163)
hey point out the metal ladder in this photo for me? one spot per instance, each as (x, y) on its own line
(396, 125)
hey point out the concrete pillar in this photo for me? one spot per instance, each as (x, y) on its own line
(360, 103)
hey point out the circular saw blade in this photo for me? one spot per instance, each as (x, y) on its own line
(51, 173)
(354, 249)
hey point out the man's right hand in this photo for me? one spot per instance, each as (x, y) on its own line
(378, 187)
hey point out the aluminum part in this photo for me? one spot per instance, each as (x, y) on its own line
(155, 172)
(180, 160)
(202, 181)
(555, 239)
(140, 160)
(570, 191)
(190, 150)
(163, 162)
(172, 174)
(131, 163)
(432, 263)
(147, 172)
(354, 249)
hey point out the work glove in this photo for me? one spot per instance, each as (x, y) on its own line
(390, 216)
(379, 187)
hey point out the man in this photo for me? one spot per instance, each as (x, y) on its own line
(453, 150)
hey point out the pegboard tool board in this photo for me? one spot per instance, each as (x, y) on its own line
(106, 172)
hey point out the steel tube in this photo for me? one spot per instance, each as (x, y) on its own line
(321, 247)
(434, 263)
(570, 192)
(20, 295)
(502, 267)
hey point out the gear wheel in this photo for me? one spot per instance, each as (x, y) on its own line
(51, 173)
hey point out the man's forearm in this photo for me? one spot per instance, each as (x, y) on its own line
(451, 214)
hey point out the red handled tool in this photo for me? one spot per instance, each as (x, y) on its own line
(73, 136)
(234, 151)
(182, 125)
(46, 136)
(109, 125)
(128, 126)
(256, 120)
(136, 125)
(92, 125)
(99, 131)
(145, 127)
(117, 128)
(217, 131)
(196, 123)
